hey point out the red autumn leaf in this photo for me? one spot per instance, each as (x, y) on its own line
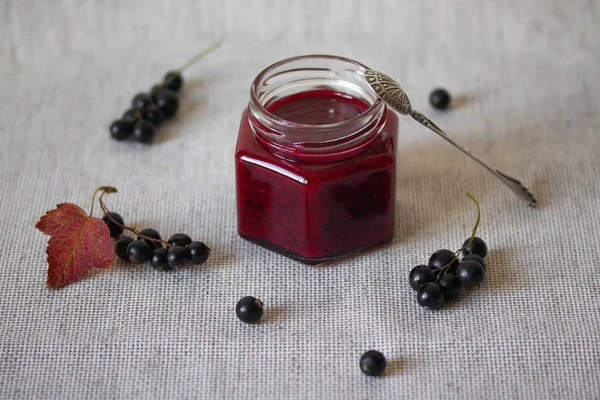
(78, 244)
(61, 217)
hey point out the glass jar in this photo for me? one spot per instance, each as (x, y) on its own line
(315, 161)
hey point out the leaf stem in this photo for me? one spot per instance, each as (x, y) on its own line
(103, 189)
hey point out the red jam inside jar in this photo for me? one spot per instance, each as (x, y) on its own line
(315, 161)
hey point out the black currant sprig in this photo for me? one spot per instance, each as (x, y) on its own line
(149, 110)
(147, 238)
(467, 243)
(444, 275)
(149, 246)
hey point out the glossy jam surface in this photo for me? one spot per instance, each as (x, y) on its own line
(318, 107)
(316, 211)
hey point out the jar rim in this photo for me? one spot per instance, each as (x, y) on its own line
(373, 108)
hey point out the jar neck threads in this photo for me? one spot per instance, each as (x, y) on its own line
(321, 142)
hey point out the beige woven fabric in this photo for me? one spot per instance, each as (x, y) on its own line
(530, 107)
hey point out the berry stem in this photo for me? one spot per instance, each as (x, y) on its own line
(476, 223)
(138, 114)
(199, 56)
(106, 211)
(445, 268)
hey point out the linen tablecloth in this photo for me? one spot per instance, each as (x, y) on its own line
(526, 79)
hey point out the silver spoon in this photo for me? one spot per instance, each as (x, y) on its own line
(391, 92)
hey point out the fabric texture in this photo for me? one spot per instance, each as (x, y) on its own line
(525, 79)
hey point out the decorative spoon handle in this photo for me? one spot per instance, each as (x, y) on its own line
(391, 92)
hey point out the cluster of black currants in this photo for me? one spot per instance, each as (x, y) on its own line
(165, 256)
(444, 275)
(149, 110)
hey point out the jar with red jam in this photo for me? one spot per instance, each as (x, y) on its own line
(315, 161)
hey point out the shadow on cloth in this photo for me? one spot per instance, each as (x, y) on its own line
(432, 181)
(395, 367)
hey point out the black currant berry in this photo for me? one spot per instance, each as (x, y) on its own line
(440, 99)
(173, 80)
(121, 247)
(477, 246)
(143, 131)
(474, 257)
(441, 258)
(470, 273)
(138, 252)
(420, 275)
(372, 363)
(121, 129)
(450, 285)
(159, 259)
(115, 230)
(430, 295)
(141, 101)
(176, 256)
(150, 233)
(130, 115)
(180, 239)
(249, 309)
(155, 90)
(154, 115)
(167, 102)
(198, 253)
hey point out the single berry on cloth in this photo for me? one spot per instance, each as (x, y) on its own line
(450, 285)
(151, 237)
(443, 257)
(173, 81)
(419, 275)
(477, 246)
(138, 252)
(159, 259)
(372, 363)
(121, 129)
(180, 239)
(176, 256)
(440, 99)
(430, 295)
(470, 273)
(249, 309)
(474, 257)
(116, 229)
(143, 132)
(198, 252)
